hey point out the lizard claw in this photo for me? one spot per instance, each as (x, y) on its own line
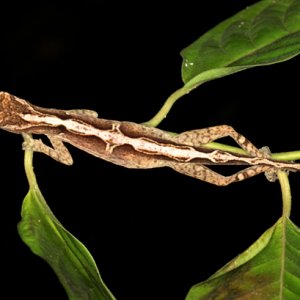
(265, 152)
(271, 175)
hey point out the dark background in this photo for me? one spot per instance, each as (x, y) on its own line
(153, 233)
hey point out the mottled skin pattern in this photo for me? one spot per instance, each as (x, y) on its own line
(133, 145)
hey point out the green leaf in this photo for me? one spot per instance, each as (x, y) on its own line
(265, 33)
(47, 238)
(268, 270)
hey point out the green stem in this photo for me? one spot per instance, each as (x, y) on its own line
(291, 155)
(28, 163)
(155, 121)
(284, 156)
(286, 193)
(163, 112)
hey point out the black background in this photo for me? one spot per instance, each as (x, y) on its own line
(153, 233)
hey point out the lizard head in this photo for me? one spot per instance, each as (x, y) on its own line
(11, 108)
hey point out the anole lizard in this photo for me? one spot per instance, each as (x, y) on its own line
(133, 145)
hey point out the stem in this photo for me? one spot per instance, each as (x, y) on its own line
(291, 155)
(223, 147)
(284, 156)
(28, 157)
(286, 193)
(163, 112)
(155, 121)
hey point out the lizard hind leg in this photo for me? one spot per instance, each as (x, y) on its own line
(203, 173)
(204, 136)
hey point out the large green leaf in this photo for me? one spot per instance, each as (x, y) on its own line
(47, 238)
(265, 33)
(268, 270)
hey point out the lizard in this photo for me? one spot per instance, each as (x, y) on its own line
(134, 145)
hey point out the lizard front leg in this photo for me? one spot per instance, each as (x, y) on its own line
(59, 152)
(203, 173)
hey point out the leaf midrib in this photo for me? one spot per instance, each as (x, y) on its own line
(282, 260)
